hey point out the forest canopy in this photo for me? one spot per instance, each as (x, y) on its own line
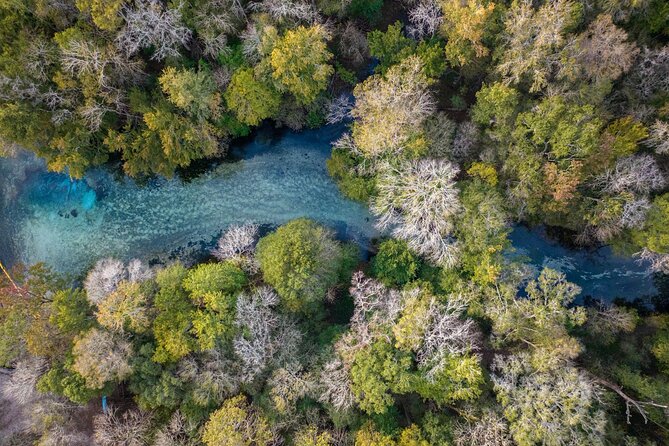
(459, 119)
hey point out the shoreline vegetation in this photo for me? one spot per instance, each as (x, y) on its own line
(465, 118)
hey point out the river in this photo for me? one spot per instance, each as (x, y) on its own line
(277, 177)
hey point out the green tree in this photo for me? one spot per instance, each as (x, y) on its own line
(390, 47)
(192, 91)
(379, 370)
(105, 13)
(300, 62)
(237, 423)
(395, 264)
(71, 311)
(301, 260)
(655, 233)
(251, 100)
(173, 322)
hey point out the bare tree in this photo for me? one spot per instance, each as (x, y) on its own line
(636, 173)
(352, 43)
(101, 357)
(268, 338)
(104, 278)
(238, 244)
(130, 429)
(556, 407)
(658, 138)
(603, 50)
(634, 213)
(214, 376)
(335, 385)
(289, 384)
(20, 388)
(649, 73)
(296, 10)
(440, 131)
(175, 432)
(338, 109)
(216, 18)
(657, 262)
(419, 201)
(446, 334)
(489, 430)
(375, 306)
(426, 17)
(150, 24)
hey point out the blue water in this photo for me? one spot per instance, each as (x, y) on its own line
(279, 177)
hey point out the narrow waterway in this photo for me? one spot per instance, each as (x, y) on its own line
(279, 176)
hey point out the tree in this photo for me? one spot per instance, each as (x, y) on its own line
(191, 91)
(264, 336)
(129, 429)
(482, 229)
(103, 279)
(71, 312)
(126, 309)
(378, 370)
(603, 50)
(658, 138)
(105, 14)
(464, 26)
(237, 423)
(426, 18)
(534, 39)
(224, 277)
(299, 62)
(251, 100)
(101, 357)
(301, 260)
(490, 430)
(175, 312)
(418, 199)
(542, 320)
(151, 25)
(394, 263)
(655, 232)
(557, 407)
(391, 109)
(637, 173)
(390, 47)
(496, 109)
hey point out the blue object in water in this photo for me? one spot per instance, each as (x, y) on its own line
(104, 403)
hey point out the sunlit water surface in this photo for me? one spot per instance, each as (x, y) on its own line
(69, 224)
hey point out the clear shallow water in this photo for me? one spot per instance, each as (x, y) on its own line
(46, 217)
(71, 224)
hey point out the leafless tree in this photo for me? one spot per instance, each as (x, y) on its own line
(556, 407)
(214, 20)
(426, 17)
(175, 433)
(103, 279)
(374, 306)
(603, 50)
(149, 24)
(649, 73)
(489, 430)
(440, 130)
(657, 262)
(214, 376)
(419, 200)
(658, 138)
(296, 10)
(447, 333)
(607, 320)
(352, 43)
(101, 357)
(335, 385)
(338, 109)
(139, 271)
(466, 141)
(634, 213)
(129, 429)
(238, 244)
(268, 337)
(251, 42)
(20, 388)
(635, 173)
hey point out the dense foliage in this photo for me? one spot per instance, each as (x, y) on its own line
(465, 118)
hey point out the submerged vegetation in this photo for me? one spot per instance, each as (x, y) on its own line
(476, 115)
